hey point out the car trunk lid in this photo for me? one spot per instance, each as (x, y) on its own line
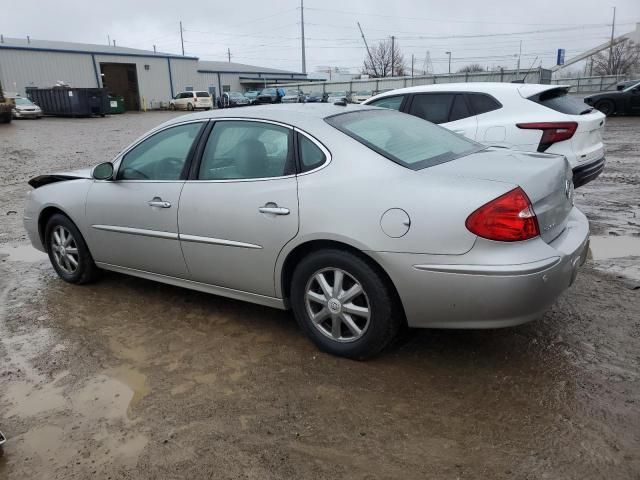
(546, 179)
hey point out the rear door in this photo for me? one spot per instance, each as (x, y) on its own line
(449, 110)
(240, 206)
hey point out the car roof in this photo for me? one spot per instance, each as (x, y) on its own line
(496, 88)
(296, 114)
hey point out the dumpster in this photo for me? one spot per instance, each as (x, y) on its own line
(70, 102)
(116, 105)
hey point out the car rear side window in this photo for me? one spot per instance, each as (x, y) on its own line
(202, 94)
(246, 149)
(459, 110)
(482, 103)
(404, 139)
(310, 154)
(434, 107)
(558, 100)
(393, 103)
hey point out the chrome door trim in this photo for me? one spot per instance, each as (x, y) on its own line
(137, 231)
(202, 287)
(217, 241)
(317, 143)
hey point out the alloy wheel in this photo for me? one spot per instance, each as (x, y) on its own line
(337, 305)
(65, 250)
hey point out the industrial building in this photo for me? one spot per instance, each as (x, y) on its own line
(146, 79)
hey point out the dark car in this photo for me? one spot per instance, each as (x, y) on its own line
(252, 95)
(626, 84)
(621, 102)
(271, 95)
(232, 99)
(314, 97)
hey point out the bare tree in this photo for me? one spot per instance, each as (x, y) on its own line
(379, 64)
(625, 58)
(471, 68)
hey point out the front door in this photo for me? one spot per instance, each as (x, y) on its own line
(242, 208)
(134, 218)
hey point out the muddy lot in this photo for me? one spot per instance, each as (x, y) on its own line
(127, 378)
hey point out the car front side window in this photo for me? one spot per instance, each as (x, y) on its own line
(244, 149)
(162, 156)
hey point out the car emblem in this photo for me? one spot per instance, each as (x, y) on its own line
(568, 190)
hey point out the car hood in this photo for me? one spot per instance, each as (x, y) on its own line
(599, 96)
(42, 180)
(26, 107)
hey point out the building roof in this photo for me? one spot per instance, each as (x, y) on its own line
(232, 67)
(73, 47)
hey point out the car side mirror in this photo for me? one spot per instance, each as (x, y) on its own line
(104, 171)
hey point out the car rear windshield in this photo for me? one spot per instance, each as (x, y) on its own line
(407, 140)
(202, 94)
(558, 100)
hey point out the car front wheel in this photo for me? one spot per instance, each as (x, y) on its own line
(189, 106)
(606, 106)
(68, 251)
(343, 304)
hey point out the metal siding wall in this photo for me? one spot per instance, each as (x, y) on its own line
(184, 73)
(21, 68)
(153, 84)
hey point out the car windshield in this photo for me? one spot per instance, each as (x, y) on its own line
(631, 87)
(338, 94)
(236, 95)
(23, 101)
(315, 94)
(364, 93)
(407, 140)
(268, 91)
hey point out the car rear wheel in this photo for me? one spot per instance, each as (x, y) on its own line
(343, 304)
(606, 106)
(68, 251)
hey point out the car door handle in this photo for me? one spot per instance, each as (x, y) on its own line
(158, 202)
(274, 209)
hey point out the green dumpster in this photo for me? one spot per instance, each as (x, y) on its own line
(116, 105)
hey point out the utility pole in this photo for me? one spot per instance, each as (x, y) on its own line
(613, 27)
(412, 60)
(393, 54)
(181, 38)
(109, 40)
(367, 47)
(229, 54)
(449, 53)
(519, 55)
(304, 60)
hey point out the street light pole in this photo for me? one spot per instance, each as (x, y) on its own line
(449, 53)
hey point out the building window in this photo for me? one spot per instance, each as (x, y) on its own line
(226, 88)
(188, 89)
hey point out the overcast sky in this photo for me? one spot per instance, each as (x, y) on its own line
(267, 33)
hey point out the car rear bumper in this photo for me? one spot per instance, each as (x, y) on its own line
(585, 173)
(475, 290)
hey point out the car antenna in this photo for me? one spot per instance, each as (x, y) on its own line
(529, 71)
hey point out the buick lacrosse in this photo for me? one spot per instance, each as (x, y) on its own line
(358, 219)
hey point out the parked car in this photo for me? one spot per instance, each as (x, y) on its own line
(25, 108)
(622, 102)
(339, 97)
(232, 99)
(294, 96)
(252, 95)
(316, 97)
(271, 95)
(196, 100)
(461, 235)
(531, 117)
(6, 107)
(626, 84)
(361, 96)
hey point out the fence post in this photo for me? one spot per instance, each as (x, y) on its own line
(501, 74)
(578, 86)
(377, 86)
(466, 77)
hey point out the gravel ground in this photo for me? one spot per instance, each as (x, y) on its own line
(127, 378)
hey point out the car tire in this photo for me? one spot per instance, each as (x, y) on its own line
(366, 323)
(73, 263)
(172, 106)
(606, 106)
(190, 107)
(6, 118)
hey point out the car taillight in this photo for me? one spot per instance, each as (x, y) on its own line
(552, 132)
(508, 218)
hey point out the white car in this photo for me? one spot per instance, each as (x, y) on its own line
(195, 100)
(25, 108)
(529, 117)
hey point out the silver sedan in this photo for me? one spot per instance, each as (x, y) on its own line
(359, 219)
